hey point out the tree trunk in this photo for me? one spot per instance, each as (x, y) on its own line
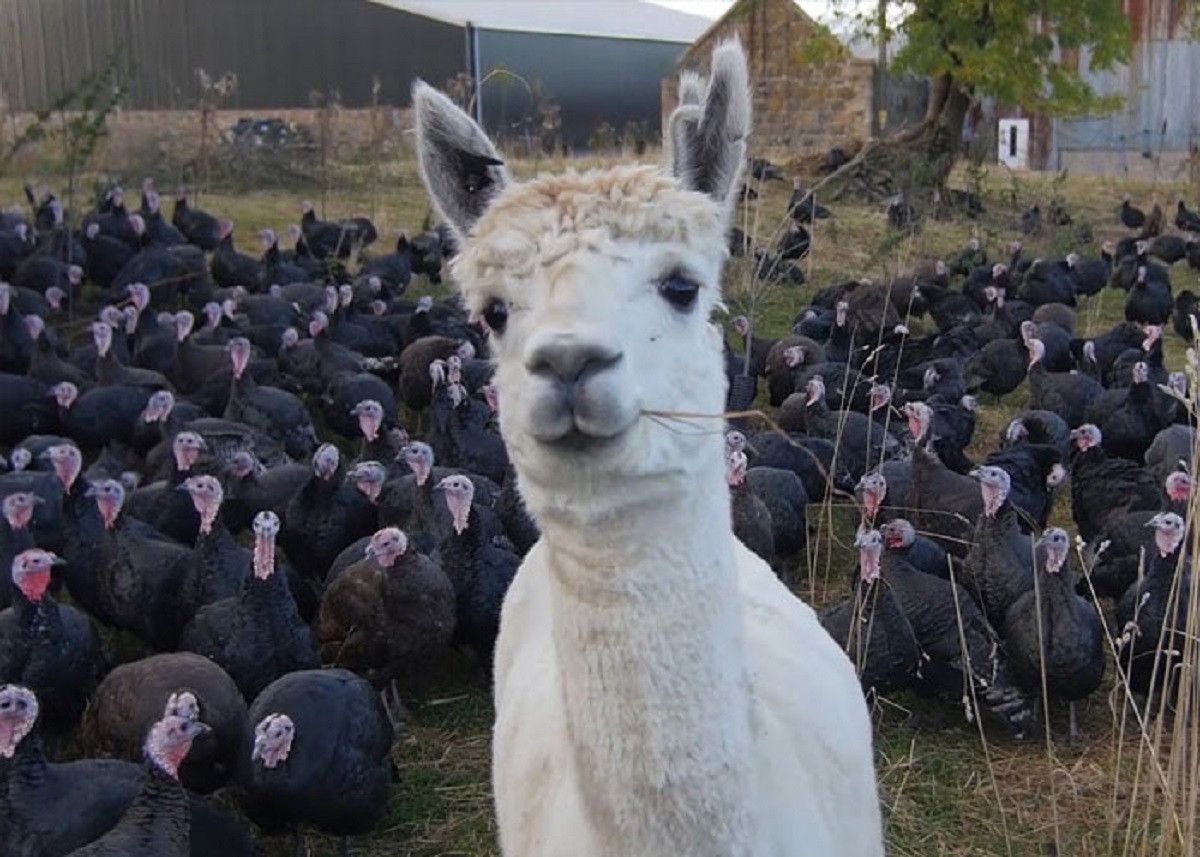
(917, 161)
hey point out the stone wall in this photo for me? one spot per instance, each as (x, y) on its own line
(809, 95)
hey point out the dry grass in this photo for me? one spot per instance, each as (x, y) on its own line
(949, 786)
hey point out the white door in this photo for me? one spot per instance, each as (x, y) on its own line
(1014, 143)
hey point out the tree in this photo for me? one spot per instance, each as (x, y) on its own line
(1022, 52)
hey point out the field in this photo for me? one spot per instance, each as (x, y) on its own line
(950, 786)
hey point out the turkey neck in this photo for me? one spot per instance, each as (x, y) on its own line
(36, 616)
(161, 806)
(270, 598)
(648, 632)
(27, 768)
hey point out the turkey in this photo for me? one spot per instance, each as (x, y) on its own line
(389, 617)
(861, 442)
(1054, 638)
(132, 697)
(318, 756)
(1130, 215)
(275, 412)
(997, 368)
(782, 491)
(158, 822)
(51, 648)
(752, 522)
(872, 628)
(231, 268)
(1152, 615)
(943, 503)
(54, 808)
(139, 573)
(785, 362)
(324, 516)
(959, 647)
(900, 539)
(199, 227)
(338, 240)
(1035, 472)
(16, 536)
(1186, 220)
(999, 567)
(1150, 300)
(1131, 427)
(1090, 276)
(1039, 428)
(1102, 487)
(257, 634)
(1064, 393)
(480, 570)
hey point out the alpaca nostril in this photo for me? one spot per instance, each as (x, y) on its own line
(570, 360)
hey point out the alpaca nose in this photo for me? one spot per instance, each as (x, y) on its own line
(570, 358)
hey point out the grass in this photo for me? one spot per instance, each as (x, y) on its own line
(951, 787)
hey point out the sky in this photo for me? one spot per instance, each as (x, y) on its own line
(714, 9)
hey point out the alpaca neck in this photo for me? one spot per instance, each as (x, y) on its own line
(648, 633)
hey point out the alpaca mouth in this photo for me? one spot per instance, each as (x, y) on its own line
(576, 440)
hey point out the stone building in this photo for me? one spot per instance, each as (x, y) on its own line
(810, 93)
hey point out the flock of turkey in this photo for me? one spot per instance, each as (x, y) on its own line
(271, 600)
(275, 665)
(963, 590)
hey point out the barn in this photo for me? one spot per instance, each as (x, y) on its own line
(568, 65)
(810, 92)
(1156, 132)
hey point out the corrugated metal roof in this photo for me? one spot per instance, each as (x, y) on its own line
(624, 19)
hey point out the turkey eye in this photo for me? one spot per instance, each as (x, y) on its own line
(495, 316)
(679, 291)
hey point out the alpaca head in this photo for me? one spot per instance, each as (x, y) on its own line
(597, 290)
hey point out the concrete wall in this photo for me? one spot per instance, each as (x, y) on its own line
(806, 98)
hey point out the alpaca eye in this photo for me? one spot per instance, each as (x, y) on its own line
(678, 290)
(495, 316)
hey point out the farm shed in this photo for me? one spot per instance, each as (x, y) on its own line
(280, 50)
(810, 92)
(573, 65)
(1159, 123)
(584, 62)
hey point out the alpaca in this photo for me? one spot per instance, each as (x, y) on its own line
(658, 691)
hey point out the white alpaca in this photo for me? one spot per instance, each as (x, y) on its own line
(658, 690)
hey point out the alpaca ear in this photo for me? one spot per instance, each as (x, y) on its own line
(708, 130)
(459, 165)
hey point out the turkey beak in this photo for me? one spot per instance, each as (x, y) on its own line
(975, 473)
(55, 559)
